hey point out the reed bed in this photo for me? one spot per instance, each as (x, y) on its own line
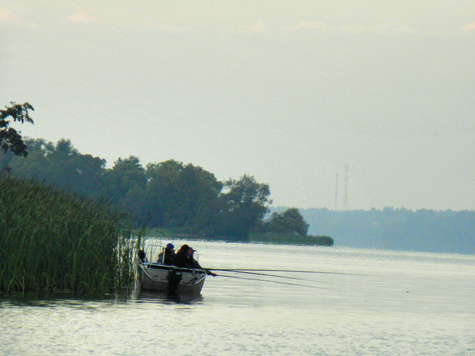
(51, 240)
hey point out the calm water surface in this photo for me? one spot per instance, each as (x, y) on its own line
(371, 303)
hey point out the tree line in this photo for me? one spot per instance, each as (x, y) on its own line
(182, 197)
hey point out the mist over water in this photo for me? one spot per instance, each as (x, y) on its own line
(366, 302)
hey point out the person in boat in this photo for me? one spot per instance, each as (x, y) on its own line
(184, 258)
(142, 256)
(169, 255)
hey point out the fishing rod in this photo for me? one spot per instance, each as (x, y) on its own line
(269, 281)
(272, 275)
(238, 270)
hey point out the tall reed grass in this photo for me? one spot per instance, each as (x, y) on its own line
(51, 240)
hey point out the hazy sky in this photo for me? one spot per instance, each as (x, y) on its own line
(286, 91)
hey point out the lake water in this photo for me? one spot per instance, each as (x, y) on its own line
(369, 303)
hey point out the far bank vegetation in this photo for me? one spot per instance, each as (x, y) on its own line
(183, 198)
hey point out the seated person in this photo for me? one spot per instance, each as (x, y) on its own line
(169, 252)
(142, 256)
(184, 258)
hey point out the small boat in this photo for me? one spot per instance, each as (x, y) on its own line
(161, 277)
(155, 276)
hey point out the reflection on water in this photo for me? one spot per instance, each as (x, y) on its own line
(45, 299)
(378, 303)
(165, 298)
(52, 299)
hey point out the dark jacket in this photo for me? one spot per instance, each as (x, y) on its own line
(184, 259)
(169, 257)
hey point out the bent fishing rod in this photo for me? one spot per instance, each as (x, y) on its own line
(256, 270)
(271, 275)
(276, 282)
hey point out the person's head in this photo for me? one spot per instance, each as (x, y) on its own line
(170, 247)
(184, 248)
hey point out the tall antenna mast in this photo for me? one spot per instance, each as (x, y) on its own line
(347, 168)
(336, 192)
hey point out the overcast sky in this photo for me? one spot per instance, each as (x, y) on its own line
(286, 91)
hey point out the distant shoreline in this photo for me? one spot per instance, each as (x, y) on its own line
(270, 238)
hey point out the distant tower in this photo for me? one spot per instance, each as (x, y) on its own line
(336, 192)
(347, 168)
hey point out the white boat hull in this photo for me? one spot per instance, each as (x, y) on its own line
(155, 277)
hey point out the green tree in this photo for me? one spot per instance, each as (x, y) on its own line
(161, 193)
(242, 206)
(35, 166)
(126, 175)
(60, 165)
(62, 171)
(289, 221)
(183, 196)
(10, 139)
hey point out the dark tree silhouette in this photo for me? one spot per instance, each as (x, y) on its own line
(288, 222)
(10, 139)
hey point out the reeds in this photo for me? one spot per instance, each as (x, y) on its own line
(51, 240)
